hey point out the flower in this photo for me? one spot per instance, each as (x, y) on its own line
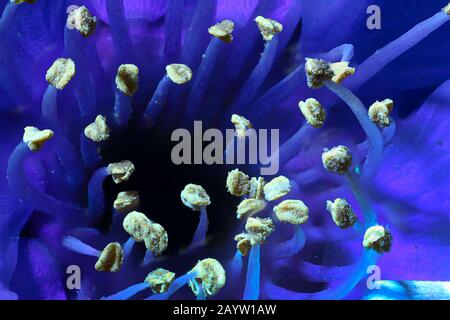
(65, 190)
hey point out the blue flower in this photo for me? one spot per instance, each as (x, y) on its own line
(56, 203)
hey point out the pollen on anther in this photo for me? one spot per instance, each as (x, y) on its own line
(157, 239)
(341, 71)
(36, 138)
(317, 71)
(337, 159)
(292, 211)
(121, 171)
(244, 243)
(210, 275)
(278, 187)
(179, 73)
(341, 212)
(378, 238)
(111, 258)
(194, 197)
(223, 30)
(82, 20)
(379, 112)
(446, 9)
(159, 280)
(98, 130)
(60, 73)
(137, 225)
(241, 125)
(268, 27)
(127, 79)
(256, 188)
(313, 112)
(237, 183)
(259, 229)
(249, 207)
(126, 201)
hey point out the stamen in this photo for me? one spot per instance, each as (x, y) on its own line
(96, 195)
(209, 276)
(156, 240)
(127, 201)
(249, 207)
(179, 73)
(292, 211)
(199, 237)
(177, 284)
(241, 124)
(313, 111)
(237, 183)
(341, 71)
(341, 212)
(111, 258)
(446, 9)
(379, 112)
(119, 27)
(243, 243)
(291, 247)
(82, 20)
(268, 27)
(137, 225)
(194, 197)
(277, 188)
(317, 71)
(259, 229)
(98, 130)
(121, 171)
(252, 283)
(256, 188)
(223, 30)
(160, 280)
(127, 79)
(60, 73)
(337, 160)
(378, 238)
(36, 138)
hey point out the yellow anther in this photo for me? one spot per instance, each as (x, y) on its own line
(194, 196)
(341, 71)
(446, 9)
(98, 130)
(237, 183)
(378, 238)
(111, 258)
(379, 112)
(137, 225)
(127, 79)
(292, 211)
(179, 73)
(259, 229)
(244, 243)
(82, 20)
(121, 171)
(256, 188)
(268, 27)
(223, 30)
(249, 207)
(159, 280)
(338, 159)
(313, 112)
(342, 213)
(317, 71)
(36, 138)
(60, 73)
(241, 124)
(126, 201)
(157, 239)
(277, 188)
(210, 275)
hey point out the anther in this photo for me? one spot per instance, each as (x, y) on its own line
(223, 30)
(277, 188)
(127, 79)
(195, 197)
(268, 27)
(256, 188)
(241, 124)
(243, 244)
(379, 112)
(98, 130)
(259, 229)
(23, 1)
(446, 9)
(338, 159)
(126, 201)
(249, 207)
(137, 225)
(159, 280)
(210, 277)
(82, 20)
(36, 138)
(292, 211)
(378, 238)
(313, 112)
(111, 258)
(237, 183)
(179, 73)
(60, 73)
(341, 212)
(121, 171)
(157, 240)
(317, 71)
(341, 71)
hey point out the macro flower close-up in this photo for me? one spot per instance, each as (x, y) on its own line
(224, 150)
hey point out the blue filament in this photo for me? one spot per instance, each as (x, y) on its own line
(49, 104)
(292, 246)
(202, 228)
(89, 152)
(122, 109)
(79, 246)
(236, 265)
(251, 291)
(128, 247)
(118, 26)
(177, 284)
(128, 292)
(96, 195)
(158, 101)
(373, 133)
(201, 294)
(173, 24)
(148, 258)
(358, 191)
(289, 149)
